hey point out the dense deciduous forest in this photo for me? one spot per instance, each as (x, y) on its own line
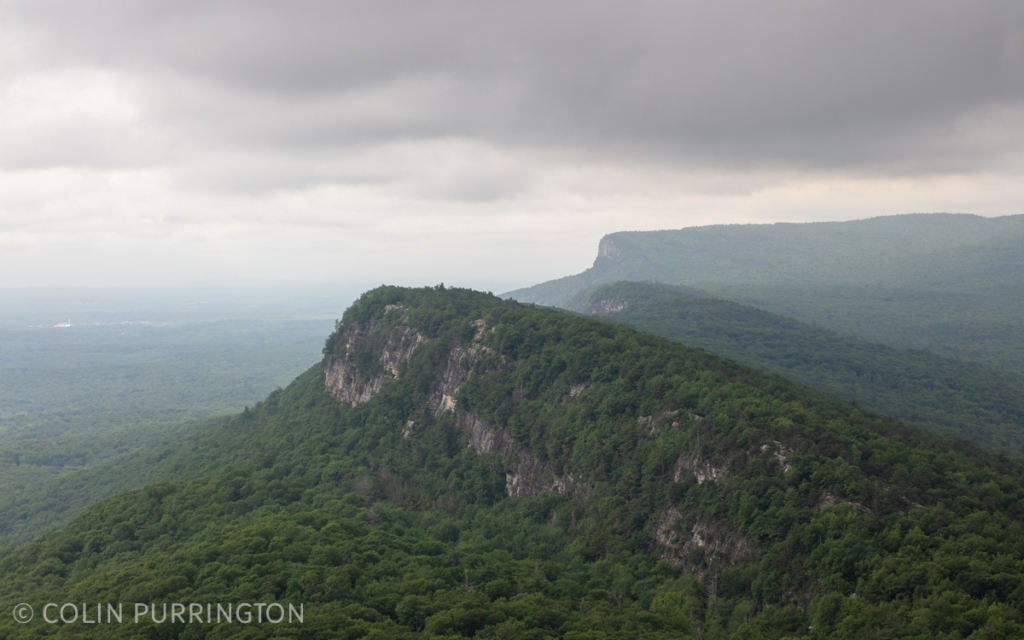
(983, 327)
(698, 498)
(963, 398)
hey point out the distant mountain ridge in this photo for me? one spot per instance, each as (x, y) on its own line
(967, 399)
(953, 283)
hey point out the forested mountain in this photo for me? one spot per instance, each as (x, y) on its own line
(463, 466)
(950, 283)
(963, 398)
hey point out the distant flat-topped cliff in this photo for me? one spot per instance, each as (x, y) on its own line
(935, 250)
(952, 283)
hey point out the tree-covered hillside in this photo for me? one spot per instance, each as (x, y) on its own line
(950, 283)
(463, 466)
(966, 399)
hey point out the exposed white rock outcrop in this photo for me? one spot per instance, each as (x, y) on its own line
(575, 391)
(702, 470)
(697, 546)
(608, 249)
(525, 475)
(345, 382)
(781, 453)
(607, 306)
(461, 361)
(652, 426)
(829, 500)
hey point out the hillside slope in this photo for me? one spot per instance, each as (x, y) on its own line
(463, 466)
(950, 283)
(966, 399)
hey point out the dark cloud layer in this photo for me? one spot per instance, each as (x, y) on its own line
(412, 141)
(804, 84)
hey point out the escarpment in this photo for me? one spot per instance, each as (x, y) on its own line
(525, 475)
(606, 305)
(698, 545)
(703, 463)
(744, 487)
(461, 361)
(353, 384)
(372, 354)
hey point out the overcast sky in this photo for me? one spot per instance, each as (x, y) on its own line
(487, 144)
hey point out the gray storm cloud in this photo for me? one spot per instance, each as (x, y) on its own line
(795, 83)
(545, 124)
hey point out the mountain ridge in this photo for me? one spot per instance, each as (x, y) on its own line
(637, 255)
(952, 283)
(715, 500)
(958, 397)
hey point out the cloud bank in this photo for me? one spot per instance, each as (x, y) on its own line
(480, 143)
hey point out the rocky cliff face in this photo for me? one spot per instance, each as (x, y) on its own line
(702, 470)
(526, 475)
(608, 249)
(604, 305)
(699, 546)
(461, 361)
(344, 380)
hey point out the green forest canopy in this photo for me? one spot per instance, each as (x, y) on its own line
(966, 399)
(820, 520)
